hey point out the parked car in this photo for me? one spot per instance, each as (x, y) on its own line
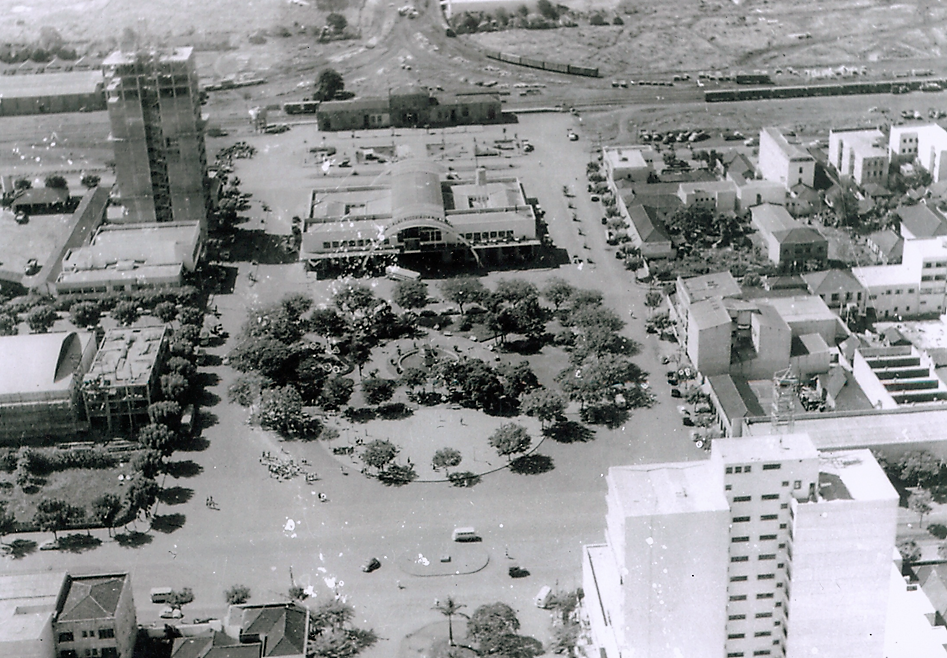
(21, 217)
(372, 565)
(676, 393)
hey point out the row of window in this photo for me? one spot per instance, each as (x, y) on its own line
(761, 652)
(103, 634)
(759, 615)
(740, 636)
(104, 652)
(928, 265)
(342, 244)
(760, 596)
(934, 277)
(491, 235)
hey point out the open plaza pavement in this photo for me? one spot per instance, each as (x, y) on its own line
(269, 533)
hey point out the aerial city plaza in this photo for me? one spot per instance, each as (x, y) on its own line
(481, 329)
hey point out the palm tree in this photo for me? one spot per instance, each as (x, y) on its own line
(449, 607)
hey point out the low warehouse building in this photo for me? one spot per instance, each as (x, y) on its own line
(50, 93)
(412, 109)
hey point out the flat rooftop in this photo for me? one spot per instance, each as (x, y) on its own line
(873, 276)
(853, 475)
(718, 284)
(127, 356)
(626, 156)
(709, 313)
(792, 151)
(495, 194)
(769, 447)
(870, 143)
(674, 488)
(50, 84)
(27, 601)
(354, 204)
(799, 308)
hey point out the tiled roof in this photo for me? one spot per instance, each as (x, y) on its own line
(92, 598)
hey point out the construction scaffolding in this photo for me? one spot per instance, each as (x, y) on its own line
(783, 413)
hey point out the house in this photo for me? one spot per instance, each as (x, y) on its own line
(859, 155)
(753, 192)
(41, 201)
(719, 196)
(783, 162)
(839, 289)
(887, 245)
(916, 287)
(648, 232)
(789, 244)
(281, 628)
(920, 221)
(213, 644)
(630, 163)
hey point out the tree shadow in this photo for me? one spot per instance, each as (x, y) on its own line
(534, 464)
(569, 431)
(186, 468)
(359, 414)
(207, 378)
(194, 444)
(208, 399)
(78, 543)
(133, 539)
(168, 523)
(464, 479)
(394, 411)
(206, 419)
(175, 495)
(20, 548)
(939, 493)
(610, 415)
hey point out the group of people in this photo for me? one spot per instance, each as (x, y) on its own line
(210, 502)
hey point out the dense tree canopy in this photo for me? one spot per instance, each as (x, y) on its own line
(463, 290)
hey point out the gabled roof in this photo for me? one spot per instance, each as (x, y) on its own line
(282, 625)
(736, 162)
(214, 645)
(828, 282)
(648, 223)
(94, 597)
(47, 196)
(889, 243)
(776, 220)
(875, 190)
(921, 221)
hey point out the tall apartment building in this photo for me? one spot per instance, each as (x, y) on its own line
(786, 551)
(859, 155)
(783, 162)
(926, 144)
(158, 135)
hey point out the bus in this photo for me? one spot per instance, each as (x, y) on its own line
(396, 273)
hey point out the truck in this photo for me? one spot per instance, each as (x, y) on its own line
(396, 273)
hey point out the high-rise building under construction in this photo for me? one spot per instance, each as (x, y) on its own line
(157, 132)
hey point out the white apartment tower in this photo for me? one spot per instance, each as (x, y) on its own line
(158, 135)
(787, 554)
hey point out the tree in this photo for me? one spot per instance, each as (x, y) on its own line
(90, 181)
(181, 597)
(175, 387)
(267, 356)
(543, 404)
(587, 317)
(191, 315)
(584, 297)
(446, 458)
(327, 322)
(331, 634)
(181, 366)
(309, 377)
(414, 377)
(188, 333)
(54, 514)
(379, 453)
(515, 291)
(165, 412)
(160, 438)
(596, 378)
(8, 324)
(106, 510)
(281, 410)
(328, 85)
(518, 379)
(492, 621)
(377, 390)
(653, 299)
(332, 615)
(845, 206)
(85, 314)
(337, 22)
(921, 503)
(354, 300)
(237, 594)
(410, 294)
(140, 494)
(336, 392)
(449, 608)
(165, 311)
(357, 348)
(909, 550)
(597, 19)
(56, 182)
(125, 313)
(41, 319)
(463, 290)
(149, 463)
(919, 467)
(548, 10)
(7, 521)
(510, 439)
(247, 388)
(557, 291)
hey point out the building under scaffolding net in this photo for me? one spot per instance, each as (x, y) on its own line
(783, 413)
(154, 110)
(39, 377)
(123, 379)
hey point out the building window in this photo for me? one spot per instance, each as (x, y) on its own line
(737, 617)
(740, 540)
(66, 637)
(738, 579)
(738, 469)
(736, 636)
(769, 517)
(746, 469)
(740, 558)
(729, 470)
(68, 653)
(767, 556)
(741, 519)
(767, 537)
(763, 615)
(764, 595)
(327, 245)
(785, 483)
(775, 467)
(770, 496)
(727, 487)
(109, 652)
(741, 499)
(738, 597)
(105, 633)
(761, 652)
(762, 634)
(797, 484)
(782, 526)
(735, 654)
(784, 506)
(766, 576)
